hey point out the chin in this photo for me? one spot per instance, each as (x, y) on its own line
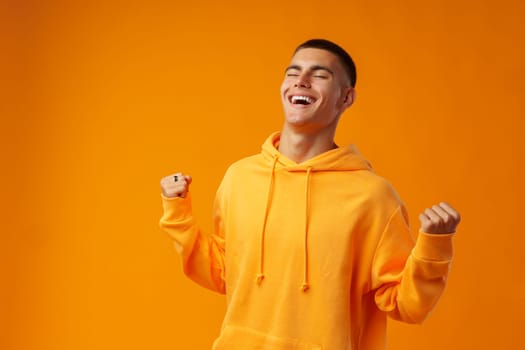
(297, 120)
(299, 116)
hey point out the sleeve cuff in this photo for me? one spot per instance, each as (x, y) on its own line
(176, 207)
(434, 247)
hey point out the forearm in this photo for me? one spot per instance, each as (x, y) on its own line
(202, 255)
(421, 282)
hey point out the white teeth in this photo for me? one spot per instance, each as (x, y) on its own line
(307, 99)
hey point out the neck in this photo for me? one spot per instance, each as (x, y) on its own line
(301, 147)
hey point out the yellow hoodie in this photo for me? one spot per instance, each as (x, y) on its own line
(310, 256)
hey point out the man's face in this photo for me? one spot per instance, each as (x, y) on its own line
(315, 90)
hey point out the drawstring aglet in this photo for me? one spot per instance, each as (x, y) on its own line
(305, 287)
(259, 279)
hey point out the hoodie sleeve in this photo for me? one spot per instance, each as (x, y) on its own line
(409, 279)
(202, 255)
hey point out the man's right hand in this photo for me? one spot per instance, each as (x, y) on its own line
(175, 185)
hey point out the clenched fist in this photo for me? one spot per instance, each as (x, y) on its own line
(440, 218)
(175, 185)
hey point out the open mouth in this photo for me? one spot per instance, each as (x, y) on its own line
(301, 100)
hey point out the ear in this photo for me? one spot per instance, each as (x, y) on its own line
(349, 97)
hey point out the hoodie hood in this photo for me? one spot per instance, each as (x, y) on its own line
(339, 159)
(345, 158)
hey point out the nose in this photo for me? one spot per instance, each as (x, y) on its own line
(302, 81)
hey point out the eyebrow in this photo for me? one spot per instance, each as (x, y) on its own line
(312, 68)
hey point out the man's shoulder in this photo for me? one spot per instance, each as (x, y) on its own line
(377, 186)
(246, 164)
(240, 170)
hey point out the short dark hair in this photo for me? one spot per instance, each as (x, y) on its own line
(346, 60)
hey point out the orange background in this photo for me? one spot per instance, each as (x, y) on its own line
(103, 99)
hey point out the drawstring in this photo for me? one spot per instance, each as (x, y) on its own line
(305, 286)
(260, 275)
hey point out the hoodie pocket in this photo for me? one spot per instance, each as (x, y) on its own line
(241, 338)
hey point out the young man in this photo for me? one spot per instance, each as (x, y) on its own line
(311, 248)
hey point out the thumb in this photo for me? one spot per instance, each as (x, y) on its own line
(423, 219)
